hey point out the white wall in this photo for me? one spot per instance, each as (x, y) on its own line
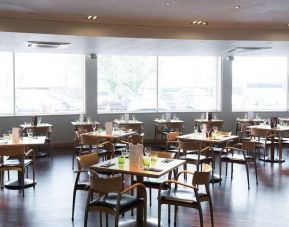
(63, 130)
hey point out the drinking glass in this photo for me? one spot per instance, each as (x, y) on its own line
(147, 151)
(93, 126)
(202, 116)
(146, 161)
(133, 117)
(39, 120)
(215, 129)
(124, 152)
(174, 116)
(154, 158)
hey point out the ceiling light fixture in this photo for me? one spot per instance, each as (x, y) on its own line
(168, 3)
(91, 17)
(200, 22)
(237, 6)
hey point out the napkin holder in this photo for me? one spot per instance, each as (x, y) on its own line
(136, 156)
(108, 128)
(15, 135)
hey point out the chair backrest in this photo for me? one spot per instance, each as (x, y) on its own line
(244, 127)
(175, 126)
(134, 127)
(136, 138)
(256, 132)
(202, 178)
(191, 145)
(42, 130)
(164, 154)
(248, 146)
(86, 160)
(13, 151)
(87, 127)
(172, 136)
(89, 140)
(105, 185)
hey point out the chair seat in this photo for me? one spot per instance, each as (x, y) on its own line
(82, 186)
(180, 195)
(155, 182)
(14, 162)
(110, 201)
(237, 157)
(195, 157)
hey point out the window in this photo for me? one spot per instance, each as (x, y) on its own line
(6, 85)
(126, 83)
(38, 83)
(49, 83)
(129, 83)
(259, 84)
(189, 83)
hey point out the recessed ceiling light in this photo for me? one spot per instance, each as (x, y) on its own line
(91, 17)
(200, 22)
(237, 6)
(168, 3)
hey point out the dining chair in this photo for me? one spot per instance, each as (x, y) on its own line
(83, 163)
(14, 158)
(244, 131)
(78, 148)
(187, 195)
(243, 155)
(112, 198)
(104, 149)
(264, 139)
(194, 153)
(47, 132)
(172, 141)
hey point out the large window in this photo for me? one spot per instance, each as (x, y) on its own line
(259, 84)
(150, 84)
(126, 83)
(189, 83)
(42, 83)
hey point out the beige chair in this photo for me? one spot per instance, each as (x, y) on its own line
(263, 139)
(84, 162)
(244, 155)
(245, 131)
(78, 148)
(47, 132)
(194, 153)
(112, 198)
(172, 141)
(105, 149)
(14, 158)
(187, 195)
(154, 183)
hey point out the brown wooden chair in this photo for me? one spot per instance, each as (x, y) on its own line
(172, 141)
(194, 153)
(187, 195)
(47, 132)
(14, 158)
(245, 131)
(78, 148)
(105, 149)
(263, 139)
(112, 198)
(154, 183)
(244, 155)
(84, 162)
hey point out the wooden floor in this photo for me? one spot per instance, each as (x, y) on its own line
(49, 204)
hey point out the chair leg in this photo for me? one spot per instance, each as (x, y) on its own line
(150, 194)
(232, 170)
(73, 203)
(116, 220)
(175, 215)
(159, 213)
(211, 212)
(169, 213)
(106, 219)
(201, 215)
(220, 171)
(256, 171)
(247, 170)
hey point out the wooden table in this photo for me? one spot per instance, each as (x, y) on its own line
(209, 141)
(240, 121)
(78, 124)
(39, 140)
(161, 124)
(140, 173)
(29, 126)
(135, 125)
(280, 131)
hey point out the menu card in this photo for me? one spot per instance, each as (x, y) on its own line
(136, 156)
(15, 135)
(108, 127)
(168, 116)
(204, 131)
(126, 118)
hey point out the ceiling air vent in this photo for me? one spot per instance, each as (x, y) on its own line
(42, 44)
(246, 49)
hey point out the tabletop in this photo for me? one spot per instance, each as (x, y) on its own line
(198, 120)
(218, 139)
(279, 128)
(24, 141)
(78, 123)
(245, 120)
(164, 121)
(25, 126)
(113, 135)
(130, 122)
(162, 167)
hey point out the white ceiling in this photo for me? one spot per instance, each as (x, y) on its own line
(148, 26)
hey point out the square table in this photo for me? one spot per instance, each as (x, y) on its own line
(78, 124)
(136, 125)
(139, 172)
